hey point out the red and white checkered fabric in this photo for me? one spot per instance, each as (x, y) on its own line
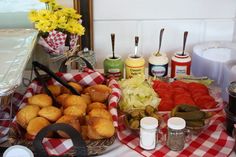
(213, 141)
(54, 43)
(87, 77)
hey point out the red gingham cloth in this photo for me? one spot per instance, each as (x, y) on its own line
(54, 43)
(213, 141)
(87, 77)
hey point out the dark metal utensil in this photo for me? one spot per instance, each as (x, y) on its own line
(113, 45)
(136, 46)
(160, 41)
(184, 43)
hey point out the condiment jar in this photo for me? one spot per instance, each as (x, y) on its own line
(134, 65)
(180, 64)
(113, 67)
(158, 65)
(176, 133)
(148, 136)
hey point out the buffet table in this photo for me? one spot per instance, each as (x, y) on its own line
(214, 141)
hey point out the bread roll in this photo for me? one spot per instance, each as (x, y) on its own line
(75, 110)
(42, 100)
(99, 128)
(72, 100)
(55, 89)
(72, 121)
(101, 113)
(61, 98)
(51, 113)
(26, 113)
(36, 124)
(96, 105)
(76, 86)
(98, 93)
(86, 98)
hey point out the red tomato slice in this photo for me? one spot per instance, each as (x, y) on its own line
(199, 90)
(205, 101)
(166, 105)
(155, 84)
(179, 84)
(165, 95)
(164, 85)
(180, 91)
(197, 95)
(194, 85)
(183, 99)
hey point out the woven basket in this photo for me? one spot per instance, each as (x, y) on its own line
(94, 147)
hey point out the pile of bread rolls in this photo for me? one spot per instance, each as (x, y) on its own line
(87, 113)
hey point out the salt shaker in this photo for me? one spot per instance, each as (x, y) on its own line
(148, 136)
(176, 133)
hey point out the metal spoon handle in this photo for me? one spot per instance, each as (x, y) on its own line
(113, 44)
(160, 40)
(184, 42)
(136, 46)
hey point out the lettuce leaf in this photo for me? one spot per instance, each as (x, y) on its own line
(136, 94)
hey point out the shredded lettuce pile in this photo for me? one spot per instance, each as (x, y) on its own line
(136, 94)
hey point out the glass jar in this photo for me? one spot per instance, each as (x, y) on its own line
(148, 133)
(176, 133)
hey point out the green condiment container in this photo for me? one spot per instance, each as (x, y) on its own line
(113, 67)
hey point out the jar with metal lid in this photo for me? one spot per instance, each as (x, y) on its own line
(158, 65)
(180, 64)
(176, 136)
(148, 135)
(134, 65)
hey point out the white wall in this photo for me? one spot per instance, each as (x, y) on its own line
(205, 20)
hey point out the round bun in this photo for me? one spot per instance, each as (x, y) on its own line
(26, 113)
(51, 113)
(96, 105)
(99, 128)
(101, 113)
(75, 110)
(36, 124)
(42, 100)
(55, 89)
(72, 100)
(72, 121)
(86, 98)
(76, 86)
(61, 98)
(98, 93)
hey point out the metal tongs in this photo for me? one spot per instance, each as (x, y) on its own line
(42, 79)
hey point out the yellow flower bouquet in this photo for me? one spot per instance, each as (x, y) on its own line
(59, 27)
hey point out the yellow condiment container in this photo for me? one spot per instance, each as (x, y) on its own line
(134, 65)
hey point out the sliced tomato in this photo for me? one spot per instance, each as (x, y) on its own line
(155, 84)
(195, 85)
(163, 85)
(166, 105)
(165, 95)
(199, 90)
(183, 99)
(180, 91)
(205, 101)
(197, 95)
(179, 84)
